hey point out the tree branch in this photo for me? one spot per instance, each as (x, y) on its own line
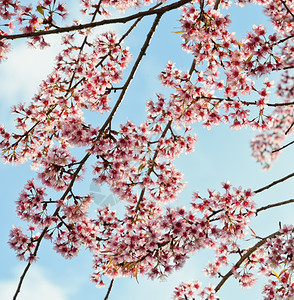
(273, 183)
(284, 40)
(248, 102)
(109, 289)
(216, 5)
(158, 11)
(133, 71)
(283, 147)
(83, 161)
(152, 166)
(244, 257)
(288, 130)
(274, 205)
(287, 8)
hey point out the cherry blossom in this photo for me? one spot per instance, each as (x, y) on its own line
(92, 73)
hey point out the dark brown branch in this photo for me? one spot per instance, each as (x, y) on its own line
(136, 23)
(216, 5)
(287, 68)
(274, 183)
(248, 102)
(81, 49)
(284, 40)
(168, 126)
(274, 205)
(288, 130)
(287, 8)
(133, 71)
(109, 289)
(152, 166)
(244, 257)
(283, 147)
(21, 280)
(158, 11)
(101, 131)
(192, 69)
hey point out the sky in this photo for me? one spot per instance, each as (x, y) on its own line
(221, 154)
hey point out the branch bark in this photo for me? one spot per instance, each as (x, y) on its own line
(285, 146)
(101, 131)
(273, 183)
(244, 257)
(274, 205)
(288, 9)
(158, 11)
(109, 289)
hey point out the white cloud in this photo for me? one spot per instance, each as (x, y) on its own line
(24, 70)
(22, 73)
(36, 286)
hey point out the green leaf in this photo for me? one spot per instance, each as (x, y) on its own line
(276, 274)
(40, 10)
(141, 167)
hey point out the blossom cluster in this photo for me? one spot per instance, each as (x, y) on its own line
(155, 241)
(265, 146)
(56, 113)
(121, 5)
(188, 291)
(279, 253)
(28, 19)
(137, 161)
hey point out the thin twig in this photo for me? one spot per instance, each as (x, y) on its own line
(274, 205)
(109, 289)
(274, 183)
(101, 131)
(244, 257)
(288, 130)
(133, 71)
(283, 147)
(284, 40)
(152, 166)
(287, 8)
(247, 102)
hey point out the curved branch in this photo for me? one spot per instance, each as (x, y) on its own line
(274, 205)
(288, 9)
(109, 289)
(82, 162)
(285, 146)
(152, 166)
(244, 257)
(273, 183)
(101, 131)
(133, 71)
(247, 102)
(157, 11)
(285, 39)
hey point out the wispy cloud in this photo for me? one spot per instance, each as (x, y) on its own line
(22, 74)
(37, 286)
(24, 70)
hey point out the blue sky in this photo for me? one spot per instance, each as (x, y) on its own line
(220, 154)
